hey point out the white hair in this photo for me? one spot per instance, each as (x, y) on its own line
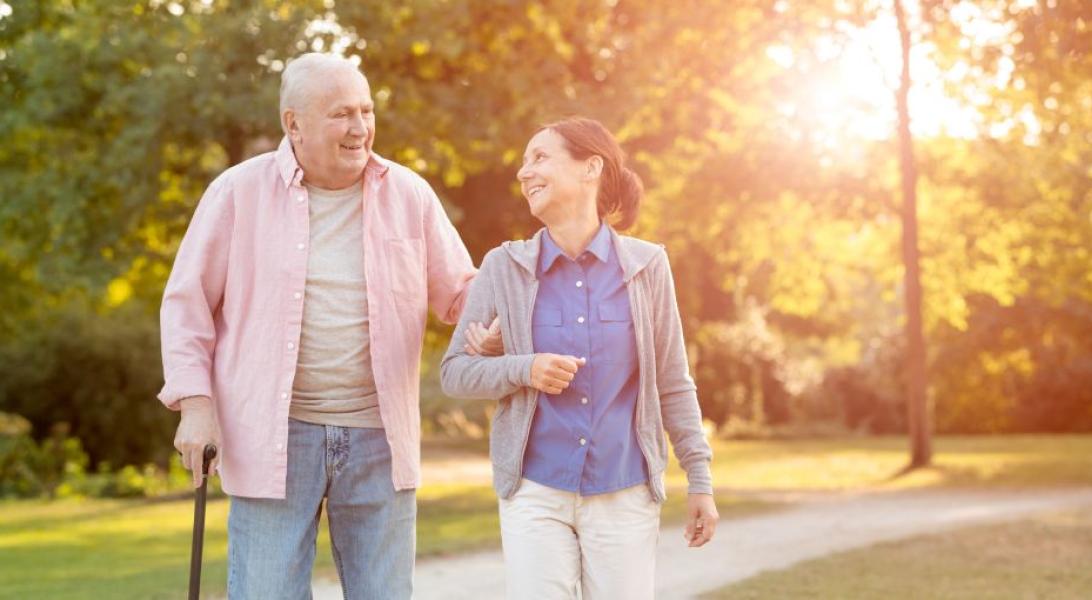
(304, 75)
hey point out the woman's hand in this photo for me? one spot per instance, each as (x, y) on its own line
(552, 373)
(701, 519)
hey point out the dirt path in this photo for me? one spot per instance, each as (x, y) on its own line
(744, 547)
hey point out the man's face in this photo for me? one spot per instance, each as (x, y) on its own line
(334, 132)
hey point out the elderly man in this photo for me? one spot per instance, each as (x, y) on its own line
(292, 326)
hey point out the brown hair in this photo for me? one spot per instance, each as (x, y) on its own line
(620, 189)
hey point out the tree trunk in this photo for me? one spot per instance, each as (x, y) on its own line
(918, 412)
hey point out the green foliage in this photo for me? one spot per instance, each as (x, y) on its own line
(57, 467)
(28, 468)
(96, 371)
(1033, 375)
(118, 114)
(740, 369)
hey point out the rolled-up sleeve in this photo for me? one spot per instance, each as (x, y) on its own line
(193, 295)
(450, 268)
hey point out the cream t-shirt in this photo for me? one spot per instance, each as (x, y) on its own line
(334, 384)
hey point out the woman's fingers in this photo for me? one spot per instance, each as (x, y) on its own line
(702, 532)
(702, 522)
(552, 373)
(561, 375)
(708, 530)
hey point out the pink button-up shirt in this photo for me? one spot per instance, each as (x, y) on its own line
(233, 308)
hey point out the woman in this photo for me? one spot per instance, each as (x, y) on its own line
(594, 372)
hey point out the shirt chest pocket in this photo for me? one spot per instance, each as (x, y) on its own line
(406, 269)
(616, 340)
(546, 329)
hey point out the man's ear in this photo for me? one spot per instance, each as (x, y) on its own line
(291, 124)
(594, 166)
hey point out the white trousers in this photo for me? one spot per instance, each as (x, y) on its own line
(557, 542)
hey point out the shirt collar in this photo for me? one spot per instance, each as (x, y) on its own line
(599, 247)
(292, 173)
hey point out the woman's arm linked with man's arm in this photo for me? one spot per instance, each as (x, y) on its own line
(467, 374)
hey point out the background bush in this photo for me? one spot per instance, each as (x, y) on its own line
(95, 371)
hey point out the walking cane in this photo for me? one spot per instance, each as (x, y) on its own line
(199, 525)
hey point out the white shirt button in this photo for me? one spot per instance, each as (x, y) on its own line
(284, 395)
(582, 359)
(291, 345)
(579, 284)
(280, 446)
(300, 199)
(299, 246)
(297, 295)
(583, 442)
(580, 319)
(583, 400)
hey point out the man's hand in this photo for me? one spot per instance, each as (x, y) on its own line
(197, 429)
(701, 519)
(552, 373)
(486, 342)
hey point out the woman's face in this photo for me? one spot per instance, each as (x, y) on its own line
(552, 181)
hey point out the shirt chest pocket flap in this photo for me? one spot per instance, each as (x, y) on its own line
(547, 334)
(546, 317)
(614, 312)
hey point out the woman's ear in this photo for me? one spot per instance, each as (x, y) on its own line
(594, 166)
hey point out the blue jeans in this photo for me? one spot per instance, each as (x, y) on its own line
(271, 543)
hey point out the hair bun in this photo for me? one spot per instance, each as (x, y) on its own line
(630, 189)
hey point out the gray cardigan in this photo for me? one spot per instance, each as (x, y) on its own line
(667, 398)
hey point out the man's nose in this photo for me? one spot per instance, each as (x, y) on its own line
(357, 124)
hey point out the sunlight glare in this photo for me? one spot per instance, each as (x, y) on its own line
(854, 96)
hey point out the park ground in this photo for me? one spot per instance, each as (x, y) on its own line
(140, 549)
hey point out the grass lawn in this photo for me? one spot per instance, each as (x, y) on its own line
(1044, 557)
(1009, 461)
(138, 549)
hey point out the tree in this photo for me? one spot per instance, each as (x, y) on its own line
(917, 403)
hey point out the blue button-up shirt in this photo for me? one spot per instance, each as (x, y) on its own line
(584, 439)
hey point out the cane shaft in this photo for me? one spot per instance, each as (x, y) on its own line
(199, 525)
